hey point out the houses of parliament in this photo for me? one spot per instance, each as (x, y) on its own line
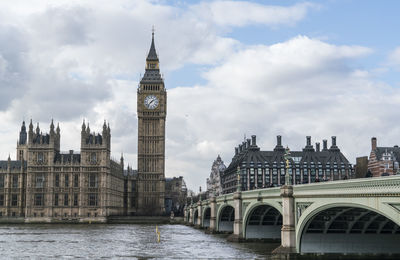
(45, 184)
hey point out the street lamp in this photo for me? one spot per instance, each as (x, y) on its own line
(200, 193)
(287, 158)
(239, 187)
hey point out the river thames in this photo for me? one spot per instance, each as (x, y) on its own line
(121, 241)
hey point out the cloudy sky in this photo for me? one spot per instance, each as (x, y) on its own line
(232, 68)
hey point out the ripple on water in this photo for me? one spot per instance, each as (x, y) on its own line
(116, 241)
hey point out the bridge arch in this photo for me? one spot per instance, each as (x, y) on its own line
(195, 216)
(262, 220)
(225, 218)
(348, 228)
(206, 217)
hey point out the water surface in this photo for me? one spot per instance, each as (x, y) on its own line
(121, 242)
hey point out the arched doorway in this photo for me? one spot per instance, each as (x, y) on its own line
(350, 230)
(265, 222)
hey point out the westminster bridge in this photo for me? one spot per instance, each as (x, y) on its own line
(351, 216)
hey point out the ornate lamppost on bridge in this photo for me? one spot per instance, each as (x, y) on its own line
(288, 231)
(287, 157)
(199, 193)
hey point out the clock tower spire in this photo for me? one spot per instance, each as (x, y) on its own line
(151, 111)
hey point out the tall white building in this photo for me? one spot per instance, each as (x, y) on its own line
(214, 182)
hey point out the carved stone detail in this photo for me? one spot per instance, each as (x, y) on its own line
(300, 208)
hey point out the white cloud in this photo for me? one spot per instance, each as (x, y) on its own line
(242, 13)
(394, 58)
(82, 59)
(295, 88)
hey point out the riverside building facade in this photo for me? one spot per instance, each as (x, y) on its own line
(45, 184)
(261, 169)
(383, 161)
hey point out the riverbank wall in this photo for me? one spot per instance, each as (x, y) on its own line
(151, 220)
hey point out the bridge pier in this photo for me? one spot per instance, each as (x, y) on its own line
(199, 214)
(213, 217)
(191, 215)
(185, 214)
(288, 231)
(238, 223)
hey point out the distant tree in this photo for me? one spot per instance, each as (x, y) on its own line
(369, 174)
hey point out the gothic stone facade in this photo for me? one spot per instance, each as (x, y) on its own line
(175, 195)
(383, 160)
(47, 185)
(151, 111)
(260, 169)
(214, 182)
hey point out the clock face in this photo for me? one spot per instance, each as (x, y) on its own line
(151, 102)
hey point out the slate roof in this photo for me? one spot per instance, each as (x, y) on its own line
(94, 139)
(253, 157)
(67, 158)
(41, 139)
(14, 164)
(379, 151)
(152, 56)
(130, 172)
(152, 76)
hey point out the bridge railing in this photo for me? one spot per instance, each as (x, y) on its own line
(375, 185)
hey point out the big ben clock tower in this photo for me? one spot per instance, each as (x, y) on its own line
(151, 111)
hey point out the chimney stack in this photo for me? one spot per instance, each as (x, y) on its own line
(317, 146)
(325, 145)
(278, 140)
(248, 143)
(253, 140)
(373, 143)
(334, 141)
(308, 140)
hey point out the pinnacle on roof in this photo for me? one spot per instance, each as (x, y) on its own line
(152, 56)
(23, 127)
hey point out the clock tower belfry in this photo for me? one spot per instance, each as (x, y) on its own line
(151, 111)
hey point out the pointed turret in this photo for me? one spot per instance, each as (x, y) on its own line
(31, 126)
(52, 127)
(104, 126)
(152, 56)
(88, 129)
(58, 129)
(105, 131)
(22, 134)
(122, 161)
(83, 126)
(152, 73)
(37, 129)
(30, 132)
